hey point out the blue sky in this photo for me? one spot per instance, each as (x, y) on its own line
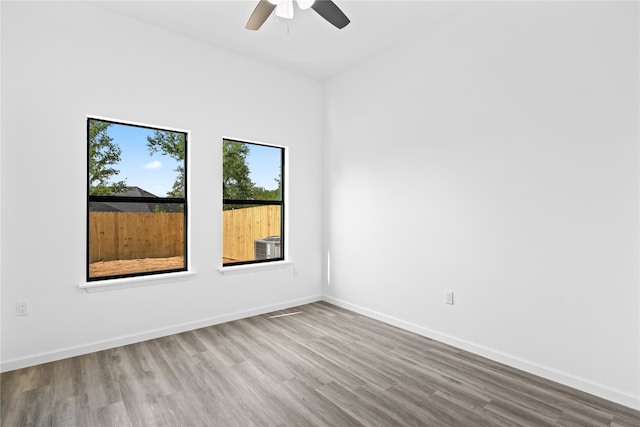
(264, 164)
(156, 173)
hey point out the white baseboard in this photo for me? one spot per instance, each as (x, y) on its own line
(65, 353)
(582, 384)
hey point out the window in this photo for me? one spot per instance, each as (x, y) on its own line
(253, 203)
(136, 200)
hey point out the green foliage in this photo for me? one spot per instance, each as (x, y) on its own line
(172, 144)
(103, 154)
(236, 183)
(260, 193)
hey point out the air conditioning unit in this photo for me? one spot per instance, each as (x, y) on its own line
(267, 248)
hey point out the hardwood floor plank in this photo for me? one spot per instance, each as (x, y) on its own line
(113, 415)
(324, 366)
(39, 406)
(14, 403)
(625, 419)
(392, 409)
(310, 365)
(318, 410)
(519, 413)
(351, 403)
(106, 379)
(73, 411)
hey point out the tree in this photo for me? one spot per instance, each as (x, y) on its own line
(172, 144)
(261, 193)
(103, 154)
(236, 183)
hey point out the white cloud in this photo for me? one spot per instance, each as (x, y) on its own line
(153, 165)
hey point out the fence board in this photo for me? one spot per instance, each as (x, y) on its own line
(135, 235)
(241, 227)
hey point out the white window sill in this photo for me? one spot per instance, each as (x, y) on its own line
(250, 268)
(135, 282)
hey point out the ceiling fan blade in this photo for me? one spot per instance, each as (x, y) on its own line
(331, 12)
(260, 14)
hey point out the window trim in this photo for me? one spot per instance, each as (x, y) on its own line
(231, 269)
(136, 282)
(282, 203)
(94, 282)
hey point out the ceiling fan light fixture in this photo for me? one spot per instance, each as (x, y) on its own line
(276, 2)
(305, 4)
(285, 9)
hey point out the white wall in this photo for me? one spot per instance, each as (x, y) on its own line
(62, 61)
(497, 156)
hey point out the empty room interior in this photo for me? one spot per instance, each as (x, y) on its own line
(456, 201)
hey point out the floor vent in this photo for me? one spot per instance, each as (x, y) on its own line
(286, 314)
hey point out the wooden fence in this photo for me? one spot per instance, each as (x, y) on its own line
(140, 235)
(241, 227)
(135, 235)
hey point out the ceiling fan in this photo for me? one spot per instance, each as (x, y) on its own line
(284, 9)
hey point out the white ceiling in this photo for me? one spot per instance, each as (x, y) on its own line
(307, 45)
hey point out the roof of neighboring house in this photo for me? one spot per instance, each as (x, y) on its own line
(135, 192)
(125, 206)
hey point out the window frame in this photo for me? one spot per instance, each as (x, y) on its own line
(253, 202)
(124, 199)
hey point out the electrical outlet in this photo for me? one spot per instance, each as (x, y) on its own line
(22, 308)
(449, 297)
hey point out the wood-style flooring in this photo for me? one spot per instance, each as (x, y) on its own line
(325, 366)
